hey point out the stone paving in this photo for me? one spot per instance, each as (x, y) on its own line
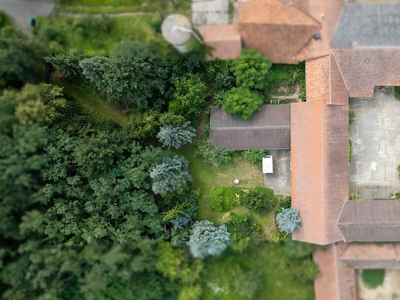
(22, 10)
(210, 12)
(280, 181)
(375, 137)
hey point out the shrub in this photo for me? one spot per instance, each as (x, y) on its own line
(207, 239)
(131, 49)
(373, 277)
(352, 116)
(259, 199)
(212, 154)
(254, 155)
(176, 136)
(288, 220)
(224, 198)
(242, 226)
(277, 236)
(242, 102)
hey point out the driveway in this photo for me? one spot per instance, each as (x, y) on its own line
(22, 10)
(375, 137)
(280, 181)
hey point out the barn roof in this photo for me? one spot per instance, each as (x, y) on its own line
(320, 173)
(368, 25)
(370, 221)
(276, 29)
(225, 39)
(268, 129)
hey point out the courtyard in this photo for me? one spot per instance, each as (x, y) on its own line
(375, 139)
(389, 290)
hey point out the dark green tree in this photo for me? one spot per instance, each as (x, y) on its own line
(241, 102)
(66, 64)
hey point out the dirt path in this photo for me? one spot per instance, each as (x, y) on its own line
(295, 95)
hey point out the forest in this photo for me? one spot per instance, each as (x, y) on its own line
(109, 185)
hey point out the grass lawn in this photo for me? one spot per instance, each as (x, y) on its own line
(72, 35)
(116, 6)
(262, 271)
(93, 102)
(373, 278)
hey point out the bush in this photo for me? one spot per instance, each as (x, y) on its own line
(259, 199)
(373, 277)
(212, 154)
(288, 220)
(254, 155)
(224, 198)
(242, 226)
(278, 236)
(131, 49)
(242, 102)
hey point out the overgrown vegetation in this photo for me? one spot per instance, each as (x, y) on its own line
(255, 155)
(397, 92)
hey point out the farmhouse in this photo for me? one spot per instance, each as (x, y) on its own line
(349, 55)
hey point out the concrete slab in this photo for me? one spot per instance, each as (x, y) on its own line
(22, 10)
(375, 137)
(280, 181)
(210, 12)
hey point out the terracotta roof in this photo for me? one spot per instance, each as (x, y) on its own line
(276, 29)
(338, 89)
(268, 129)
(225, 39)
(337, 280)
(370, 221)
(371, 256)
(317, 79)
(319, 154)
(363, 69)
(327, 12)
(368, 25)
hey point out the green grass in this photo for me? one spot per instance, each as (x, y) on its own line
(93, 102)
(373, 278)
(117, 6)
(73, 38)
(263, 271)
(284, 79)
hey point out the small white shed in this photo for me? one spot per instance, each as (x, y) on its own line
(267, 164)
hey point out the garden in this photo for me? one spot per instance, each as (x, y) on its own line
(120, 191)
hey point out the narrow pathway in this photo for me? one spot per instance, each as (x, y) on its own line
(295, 95)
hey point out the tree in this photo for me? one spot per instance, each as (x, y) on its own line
(18, 58)
(143, 124)
(169, 118)
(176, 136)
(207, 239)
(135, 81)
(259, 199)
(212, 154)
(288, 220)
(189, 97)
(241, 102)
(67, 64)
(251, 70)
(170, 176)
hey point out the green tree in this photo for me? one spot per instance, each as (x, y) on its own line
(288, 220)
(241, 102)
(66, 64)
(207, 239)
(170, 176)
(176, 136)
(212, 154)
(19, 57)
(251, 70)
(143, 124)
(190, 96)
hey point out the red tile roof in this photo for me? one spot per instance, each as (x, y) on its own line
(317, 79)
(364, 69)
(225, 39)
(319, 149)
(276, 29)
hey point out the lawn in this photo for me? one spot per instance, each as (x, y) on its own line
(262, 271)
(117, 6)
(93, 102)
(80, 36)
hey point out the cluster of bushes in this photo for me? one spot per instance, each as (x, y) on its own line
(242, 226)
(212, 154)
(254, 155)
(258, 199)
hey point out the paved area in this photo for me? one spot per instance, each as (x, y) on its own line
(280, 181)
(375, 137)
(22, 10)
(389, 290)
(210, 12)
